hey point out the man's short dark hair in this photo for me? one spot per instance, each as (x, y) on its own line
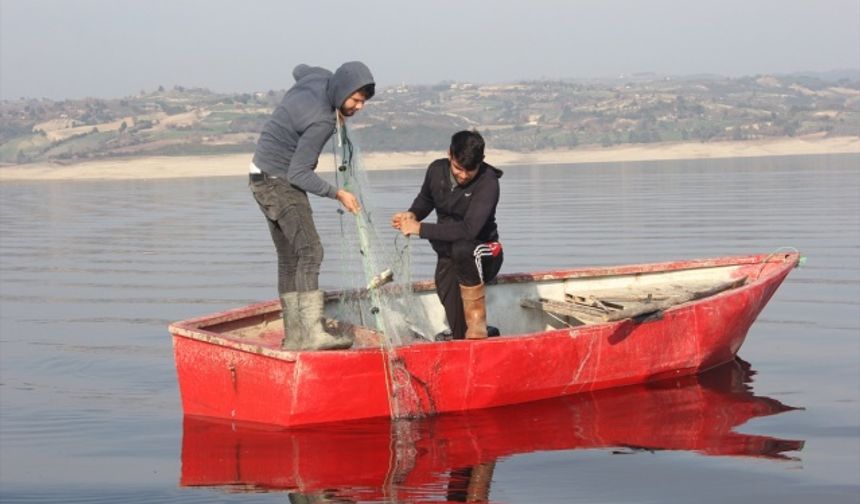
(367, 90)
(467, 147)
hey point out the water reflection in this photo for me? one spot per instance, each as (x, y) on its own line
(453, 456)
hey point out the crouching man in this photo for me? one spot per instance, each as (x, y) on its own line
(464, 192)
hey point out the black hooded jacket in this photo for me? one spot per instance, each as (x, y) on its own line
(465, 212)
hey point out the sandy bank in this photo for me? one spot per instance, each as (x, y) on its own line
(237, 164)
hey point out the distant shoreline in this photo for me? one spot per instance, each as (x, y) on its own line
(161, 167)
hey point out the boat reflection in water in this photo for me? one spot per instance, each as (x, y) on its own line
(452, 456)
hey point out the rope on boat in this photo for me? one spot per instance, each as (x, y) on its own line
(800, 261)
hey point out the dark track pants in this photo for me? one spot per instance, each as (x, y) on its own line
(461, 267)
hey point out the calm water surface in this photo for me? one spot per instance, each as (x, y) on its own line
(91, 273)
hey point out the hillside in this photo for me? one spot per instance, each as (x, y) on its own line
(523, 117)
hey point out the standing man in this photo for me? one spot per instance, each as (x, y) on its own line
(282, 173)
(464, 191)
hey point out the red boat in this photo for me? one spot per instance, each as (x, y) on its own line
(563, 332)
(414, 460)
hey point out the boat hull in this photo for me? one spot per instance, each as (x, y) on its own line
(361, 459)
(258, 384)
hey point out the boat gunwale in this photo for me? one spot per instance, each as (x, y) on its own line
(193, 328)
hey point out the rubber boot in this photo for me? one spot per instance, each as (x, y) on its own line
(475, 310)
(479, 482)
(315, 337)
(293, 339)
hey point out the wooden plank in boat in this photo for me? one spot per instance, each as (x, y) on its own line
(591, 309)
(585, 314)
(648, 308)
(601, 303)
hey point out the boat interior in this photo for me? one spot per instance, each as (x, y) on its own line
(517, 307)
(516, 304)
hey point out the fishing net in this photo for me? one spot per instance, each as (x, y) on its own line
(379, 293)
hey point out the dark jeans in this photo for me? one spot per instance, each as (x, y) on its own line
(460, 268)
(290, 218)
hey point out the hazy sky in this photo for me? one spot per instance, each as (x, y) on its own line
(112, 48)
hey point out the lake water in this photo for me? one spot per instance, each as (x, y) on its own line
(91, 274)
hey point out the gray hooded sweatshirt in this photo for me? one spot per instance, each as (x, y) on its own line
(293, 138)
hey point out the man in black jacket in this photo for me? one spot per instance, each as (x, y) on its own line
(464, 192)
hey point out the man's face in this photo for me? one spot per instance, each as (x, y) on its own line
(353, 104)
(461, 175)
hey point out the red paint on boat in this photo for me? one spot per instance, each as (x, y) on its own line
(361, 459)
(225, 376)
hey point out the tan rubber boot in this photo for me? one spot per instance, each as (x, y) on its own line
(315, 336)
(293, 339)
(475, 310)
(479, 482)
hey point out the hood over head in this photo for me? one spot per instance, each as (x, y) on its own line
(349, 78)
(302, 71)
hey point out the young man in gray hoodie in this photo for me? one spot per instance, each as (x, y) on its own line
(282, 173)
